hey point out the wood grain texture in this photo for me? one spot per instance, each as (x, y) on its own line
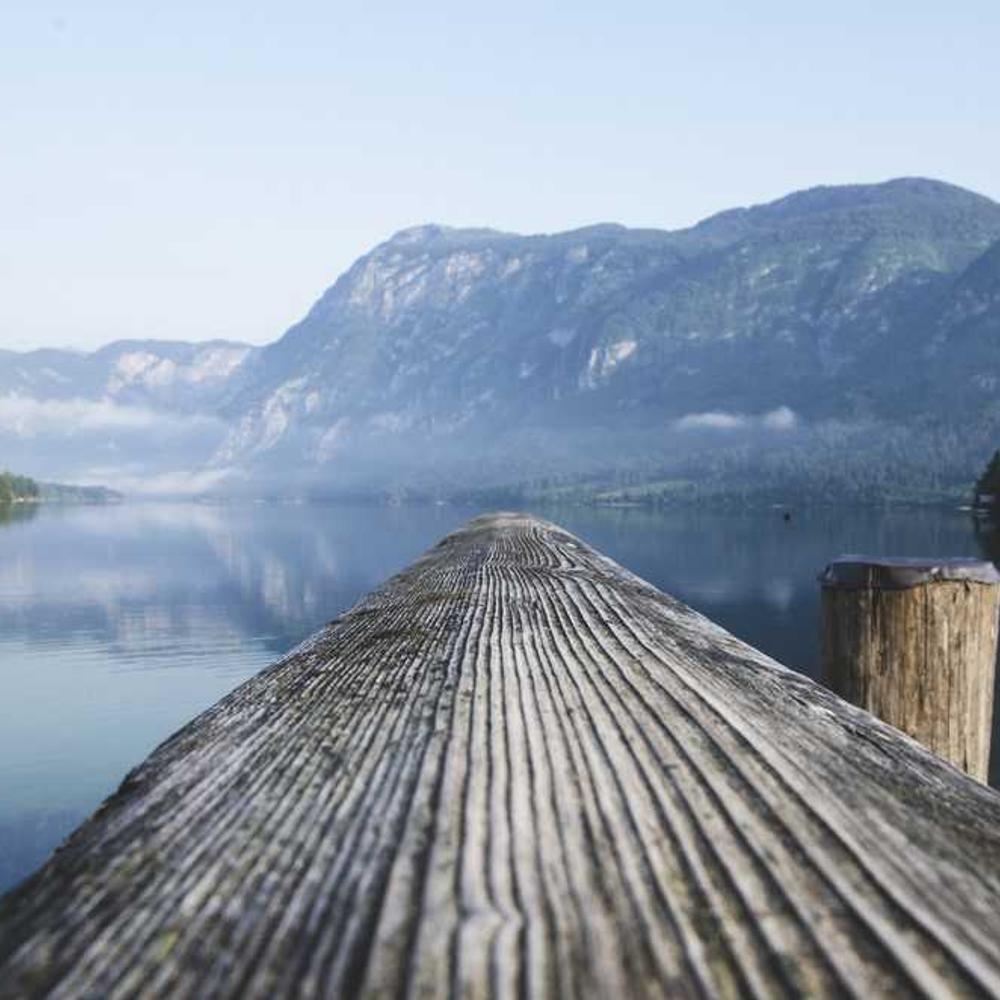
(517, 769)
(922, 658)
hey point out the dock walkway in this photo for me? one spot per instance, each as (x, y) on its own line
(518, 769)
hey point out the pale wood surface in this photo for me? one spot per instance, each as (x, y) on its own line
(516, 769)
(922, 658)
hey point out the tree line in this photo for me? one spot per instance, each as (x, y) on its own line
(17, 489)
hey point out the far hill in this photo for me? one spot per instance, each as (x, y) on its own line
(67, 493)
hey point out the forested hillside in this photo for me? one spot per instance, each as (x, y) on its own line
(841, 343)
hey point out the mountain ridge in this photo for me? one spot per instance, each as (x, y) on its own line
(446, 357)
(885, 242)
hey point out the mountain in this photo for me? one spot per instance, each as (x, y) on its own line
(140, 414)
(847, 338)
(159, 374)
(448, 356)
(963, 351)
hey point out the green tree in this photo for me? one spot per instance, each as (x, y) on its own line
(988, 484)
(14, 488)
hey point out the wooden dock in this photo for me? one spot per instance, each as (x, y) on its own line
(517, 769)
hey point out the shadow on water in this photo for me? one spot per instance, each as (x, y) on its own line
(987, 534)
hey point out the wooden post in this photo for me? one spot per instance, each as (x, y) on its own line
(914, 642)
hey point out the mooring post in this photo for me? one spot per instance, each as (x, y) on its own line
(914, 642)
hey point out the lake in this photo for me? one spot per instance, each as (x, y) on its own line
(118, 624)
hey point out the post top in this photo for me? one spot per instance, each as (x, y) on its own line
(856, 572)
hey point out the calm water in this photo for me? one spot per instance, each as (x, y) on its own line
(118, 624)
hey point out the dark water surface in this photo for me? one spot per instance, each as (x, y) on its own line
(118, 624)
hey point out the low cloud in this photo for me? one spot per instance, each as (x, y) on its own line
(177, 483)
(137, 448)
(780, 419)
(714, 420)
(26, 416)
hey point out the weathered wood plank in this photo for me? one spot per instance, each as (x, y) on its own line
(518, 769)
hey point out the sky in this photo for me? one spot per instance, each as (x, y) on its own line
(199, 170)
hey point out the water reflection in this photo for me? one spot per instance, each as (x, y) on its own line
(11, 513)
(118, 624)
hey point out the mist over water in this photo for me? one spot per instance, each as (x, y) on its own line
(119, 624)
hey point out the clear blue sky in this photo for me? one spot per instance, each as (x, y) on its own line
(191, 170)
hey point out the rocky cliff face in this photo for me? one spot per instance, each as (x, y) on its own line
(803, 310)
(465, 356)
(164, 375)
